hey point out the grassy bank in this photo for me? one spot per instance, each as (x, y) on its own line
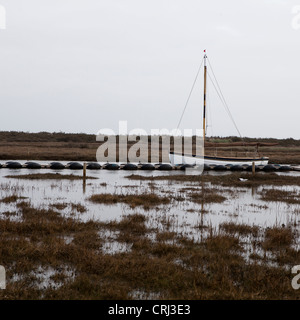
(243, 180)
(83, 147)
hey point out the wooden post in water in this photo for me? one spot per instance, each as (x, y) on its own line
(253, 168)
(202, 208)
(84, 171)
(84, 176)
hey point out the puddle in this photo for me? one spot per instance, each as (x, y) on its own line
(47, 277)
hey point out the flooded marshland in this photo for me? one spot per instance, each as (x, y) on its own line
(149, 234)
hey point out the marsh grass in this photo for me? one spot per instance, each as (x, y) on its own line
(291, 197)
(241, 229)
(166, 236)
(206, 197)
(211, 264)
(181, 269)
(146, 200)
(12, 198)
(281, 243)
(277, 238)
(59, 206)
(74, 206)
(228, 180)
(78, 207)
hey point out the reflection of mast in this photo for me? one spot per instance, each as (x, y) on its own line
(204, 97)
(202, 210)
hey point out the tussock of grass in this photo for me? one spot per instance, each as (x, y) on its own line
(277, 238)
(281, 195)
(74, 206)
(145, 200)
(12, 198)
(59, 206)
(78, 207)
(206, 197)
(223, 242)
(47, 176)
(242, 229)
(165, 236)
(130, 227)
(289, 256)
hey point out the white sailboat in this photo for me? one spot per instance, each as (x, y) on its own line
(194, 159)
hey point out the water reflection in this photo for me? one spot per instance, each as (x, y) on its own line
(242, 205)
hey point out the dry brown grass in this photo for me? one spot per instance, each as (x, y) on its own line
(184, 269)
(208, 195)
(146, 200)
(228, 180)
(278, 237)
(78, 207)
(47, 176)
(12, 198)
(291, 197)
(59, 206)
(59, 151)
(74, 206)
(242, 229)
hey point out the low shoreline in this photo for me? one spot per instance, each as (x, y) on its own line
(45, 146)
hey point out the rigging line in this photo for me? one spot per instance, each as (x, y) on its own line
(224, 101)
(188, 99)
(224, 105)
(218, 84)
(227, 110)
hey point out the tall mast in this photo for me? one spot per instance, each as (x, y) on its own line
(204, 96)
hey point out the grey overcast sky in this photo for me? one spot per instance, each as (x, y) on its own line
(83, 65)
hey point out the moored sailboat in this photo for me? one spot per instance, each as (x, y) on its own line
(177, 158)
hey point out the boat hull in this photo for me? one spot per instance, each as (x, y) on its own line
(178, 159)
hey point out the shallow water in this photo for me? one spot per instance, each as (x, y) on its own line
(243, 205)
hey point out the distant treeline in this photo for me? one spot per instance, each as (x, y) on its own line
(18, 136)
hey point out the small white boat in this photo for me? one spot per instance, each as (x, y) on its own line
(176, 159)
(194, 159)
